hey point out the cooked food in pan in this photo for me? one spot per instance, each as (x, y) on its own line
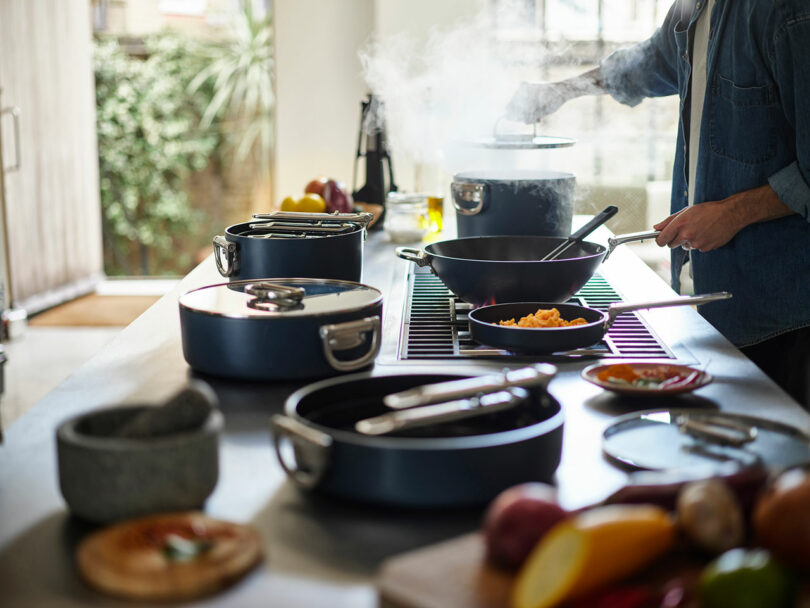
(544, 317)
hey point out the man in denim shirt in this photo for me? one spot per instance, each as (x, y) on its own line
(746, 227)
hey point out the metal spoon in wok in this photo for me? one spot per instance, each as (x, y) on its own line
(485, 328)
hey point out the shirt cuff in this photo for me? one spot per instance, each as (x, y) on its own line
(615, 76)
(792, 189)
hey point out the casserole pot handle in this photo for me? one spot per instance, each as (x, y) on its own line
(417, 256)
(465, 193)
(342, 336)
(225, 256)
(310, 445)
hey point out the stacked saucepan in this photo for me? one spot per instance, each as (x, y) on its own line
(293, 306)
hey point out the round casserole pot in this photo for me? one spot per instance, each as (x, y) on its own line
(453, 464)
(517, 202)
(281, 329)
(242, 254)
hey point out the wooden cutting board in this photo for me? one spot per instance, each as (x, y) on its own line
(454, 574)
(451, 574)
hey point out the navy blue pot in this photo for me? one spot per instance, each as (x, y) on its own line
(536, 203)
(457, 464)
(331, 256)
(281, 329)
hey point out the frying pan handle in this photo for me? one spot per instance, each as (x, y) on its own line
(351, 334)
(616, 309)
(225, 255)
(417, 256)
(629, 238)
(465, 193)
(311, 449)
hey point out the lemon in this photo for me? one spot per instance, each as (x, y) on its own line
(746, 578)
(289, 204)
(313, 203)
(594, 548)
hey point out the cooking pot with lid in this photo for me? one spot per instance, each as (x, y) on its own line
(516, 202)
(276, 329)
(290, 244)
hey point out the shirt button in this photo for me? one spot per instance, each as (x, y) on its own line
(686, 192)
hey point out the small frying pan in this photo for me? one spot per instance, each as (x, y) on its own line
(484, 327)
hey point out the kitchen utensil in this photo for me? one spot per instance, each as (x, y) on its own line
(463, 462)
(686, 438)
(281, 329)
(533, 376)
(505, 140)
(515, 202)
(599, 219)
(104, 477)
(484, 327)
(187, 409)
(483, 270)
(441, 412)
(291, 244)
(691, 379)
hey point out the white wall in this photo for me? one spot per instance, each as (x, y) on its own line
(319, 87)
(319, 81)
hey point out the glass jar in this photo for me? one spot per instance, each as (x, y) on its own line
(406, 217)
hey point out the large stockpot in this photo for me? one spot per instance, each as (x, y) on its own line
(516, 202)
(462, 463)
(494, 269)
(288, 244)
(281, 329)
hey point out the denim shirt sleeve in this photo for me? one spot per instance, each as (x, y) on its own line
(791, 49)
(648, 69)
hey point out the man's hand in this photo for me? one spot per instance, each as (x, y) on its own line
(534, 100)
(712, 224)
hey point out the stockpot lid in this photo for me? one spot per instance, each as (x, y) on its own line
(269, 298)
(518, 176)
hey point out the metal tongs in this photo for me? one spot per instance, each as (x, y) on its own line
(457, 399)
(292, 224)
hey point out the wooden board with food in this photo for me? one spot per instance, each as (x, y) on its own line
(735, 541)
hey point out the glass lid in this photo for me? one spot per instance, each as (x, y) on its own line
(280, 297)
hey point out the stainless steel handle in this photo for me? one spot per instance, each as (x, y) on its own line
(351, 334)
(417, 256)
(717, 430)
(224, 247)
(614, 310)
(15, 115)
(615, 241)
(532, 376)
(270, 296)
(364, 217)
(442, 412)
(311, 450)
(468, 192)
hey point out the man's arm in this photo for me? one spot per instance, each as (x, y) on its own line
(713, 224)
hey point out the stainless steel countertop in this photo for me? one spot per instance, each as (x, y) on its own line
(320, 552)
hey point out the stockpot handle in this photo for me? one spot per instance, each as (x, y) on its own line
(226, 249)
(342, 336)
(311, 445)
(464, 193)
(417, 256)
(615, 241)
(14, 111)
(614, 310)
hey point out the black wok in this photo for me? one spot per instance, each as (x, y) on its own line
(484, 326)
(486, 269)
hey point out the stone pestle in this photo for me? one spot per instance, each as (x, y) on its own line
(188, 409)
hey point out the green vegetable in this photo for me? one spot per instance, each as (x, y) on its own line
(746, 578)
(179, 549)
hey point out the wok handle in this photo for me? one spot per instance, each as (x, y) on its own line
(629, 238)
(417, 256)
(464, 193)
(532, 376)
(225, 255)
(311, 449)
(351, 334)
(599, 219)
(614, 310)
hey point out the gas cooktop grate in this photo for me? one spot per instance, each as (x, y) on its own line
(435, 325)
